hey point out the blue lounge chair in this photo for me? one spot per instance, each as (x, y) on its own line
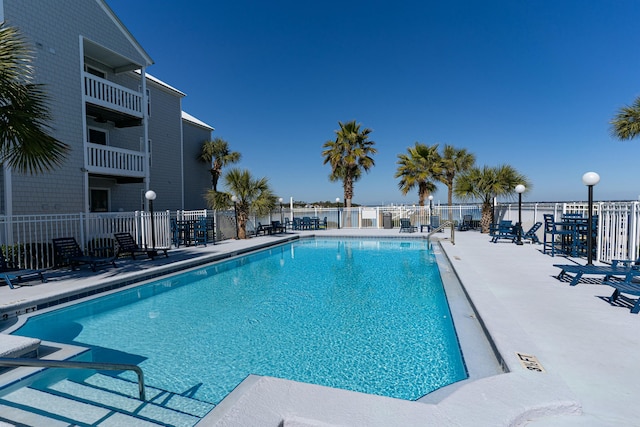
(531, 233)
(11, 275)
(503, 230)
(626, 286)
(406, 227)
(466, 224)
(555, 230)
(617, 268)
(68, 251)
(127, 245)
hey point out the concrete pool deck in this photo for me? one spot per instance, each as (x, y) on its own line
(585, 345)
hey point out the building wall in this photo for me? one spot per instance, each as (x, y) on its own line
(197, 179)
(53, 28)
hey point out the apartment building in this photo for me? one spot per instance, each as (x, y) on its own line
(126, 129)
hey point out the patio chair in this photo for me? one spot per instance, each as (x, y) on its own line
(200, 231)
(503, 230)
(406, 227)
(9, 275)
(127, 245)
(466, 223)
(617, 268)
(306, 223)
(552, 231)
(68, 251)
(626, 286)
(322, 225)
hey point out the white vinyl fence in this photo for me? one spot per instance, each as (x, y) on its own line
(26, 239)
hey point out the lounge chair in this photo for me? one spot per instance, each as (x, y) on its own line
(617, 268)
(278, 227)
(68, 251)
(531, 233)
(466, 224)
(554, 229)
(406, 227)
(264, 229)
(503, 230)
(626, 286)
(126, 245)
(10, 275)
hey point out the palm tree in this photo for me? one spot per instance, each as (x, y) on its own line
(254, 196)
(419, 168)
(217, 153)
(24, 142)
(452, 162)
(626, 124)
(485, 184)
(349, 154)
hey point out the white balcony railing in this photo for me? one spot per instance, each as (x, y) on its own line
(114, 161)
(110, 95)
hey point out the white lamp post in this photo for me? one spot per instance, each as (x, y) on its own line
(590, 179)
(281, 216)
(234, 199)
(520, 189)
(338, 203)
(151, 196)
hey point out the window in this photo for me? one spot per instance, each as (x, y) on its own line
(96, 72)
(99, 200)
(98, 136)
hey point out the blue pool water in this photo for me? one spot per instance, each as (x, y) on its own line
(362, 315)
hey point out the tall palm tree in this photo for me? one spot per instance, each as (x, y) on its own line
(218, 154)
(254, 195)
(419, 168)
(349, 155)
(452, 162)
(485, 183)
(626, 124)
(25, 143)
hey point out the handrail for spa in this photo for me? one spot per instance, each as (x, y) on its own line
(100, 366)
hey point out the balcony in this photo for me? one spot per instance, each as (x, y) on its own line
(109, 101)
(113, 161)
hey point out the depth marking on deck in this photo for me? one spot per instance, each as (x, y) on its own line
(530, 362)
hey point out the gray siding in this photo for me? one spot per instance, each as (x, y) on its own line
(197, 179)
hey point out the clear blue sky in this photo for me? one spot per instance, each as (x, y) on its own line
(530, 84)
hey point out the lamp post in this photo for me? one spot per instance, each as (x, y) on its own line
(338, 203)
(590, 179)
(151, 196)
(234, 199)
(281, 216)
(520, 189)
(430, 210)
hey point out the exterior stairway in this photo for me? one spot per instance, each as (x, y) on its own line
(98, 400)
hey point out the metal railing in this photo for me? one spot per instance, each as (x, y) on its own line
(67, 364)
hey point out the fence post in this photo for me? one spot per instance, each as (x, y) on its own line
(83, 231)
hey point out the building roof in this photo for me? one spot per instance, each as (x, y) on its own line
(189, 118)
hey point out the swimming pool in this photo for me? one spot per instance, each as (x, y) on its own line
(363, 315)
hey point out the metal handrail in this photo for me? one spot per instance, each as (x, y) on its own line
(443, 225)
(40, 363)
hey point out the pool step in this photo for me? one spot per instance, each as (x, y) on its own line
(99, 400)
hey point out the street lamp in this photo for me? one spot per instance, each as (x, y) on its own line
(520, 189)
(234, 199)
(151, 196)
(590, 179)
(338, 203)
(281, 216)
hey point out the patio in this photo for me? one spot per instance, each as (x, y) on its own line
(584, 344)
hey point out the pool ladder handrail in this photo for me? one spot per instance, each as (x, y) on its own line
(442, 226)
(100, 366)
